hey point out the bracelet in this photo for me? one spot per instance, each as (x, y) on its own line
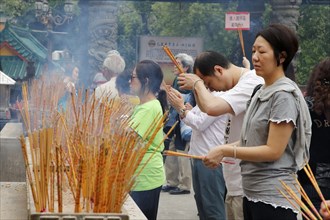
(182, 112)
(235, 151)
(195, 83)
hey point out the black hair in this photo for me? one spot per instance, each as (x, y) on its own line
(206, 61)
(281, 38)
(151, 77)
(289, 72)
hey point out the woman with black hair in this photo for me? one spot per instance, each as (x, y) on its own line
(276, 130)
(145, 82)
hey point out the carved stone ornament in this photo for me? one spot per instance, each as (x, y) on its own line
(102, 31)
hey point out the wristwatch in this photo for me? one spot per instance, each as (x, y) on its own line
(182, 112)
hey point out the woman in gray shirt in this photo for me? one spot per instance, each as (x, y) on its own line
(276, 130)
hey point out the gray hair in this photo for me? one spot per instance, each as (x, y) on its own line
(114, 63)
(186, 60)
(112, 52)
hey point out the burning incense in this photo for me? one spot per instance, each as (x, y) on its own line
(171, 56)
(52, 188)
(88, 150)
(77, 208)
(28, 171)
(59, 168)
(178, 154)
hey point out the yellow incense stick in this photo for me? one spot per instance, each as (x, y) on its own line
(174, 153)
(311, 177)
(171, 56)
(290, 201)
(297, 200)
(240, 34)
(306, 198)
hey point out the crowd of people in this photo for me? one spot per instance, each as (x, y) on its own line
(253, 128)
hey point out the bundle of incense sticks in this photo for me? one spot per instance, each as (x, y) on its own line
(77, 150)
(171, 56)
(311, 177)
(40, 101)
(38, 169)
(306, 207)
(178, 154)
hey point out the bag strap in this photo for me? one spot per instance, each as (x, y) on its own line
(256, 89)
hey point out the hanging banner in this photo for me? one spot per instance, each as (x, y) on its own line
(237, 20)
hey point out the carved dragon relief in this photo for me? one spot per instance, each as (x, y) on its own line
(103, 32)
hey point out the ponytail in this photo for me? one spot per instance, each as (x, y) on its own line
(162, 98)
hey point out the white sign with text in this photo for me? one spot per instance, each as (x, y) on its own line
(151, 48)
(237, 20)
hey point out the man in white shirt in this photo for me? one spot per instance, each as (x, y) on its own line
(207, 132)
(215, 72)
(113, 64)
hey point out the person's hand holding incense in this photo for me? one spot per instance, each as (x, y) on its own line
(324, 211)
(214, 157)
(246, 63)
(187, 81)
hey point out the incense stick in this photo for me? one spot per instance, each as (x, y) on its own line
(297, 200)
(178, 154)
(240, 34)
(28, 171)
(171, 56)
(174, 153)
(65, 143)
(290, 201)
(311, 177)
(307, 199)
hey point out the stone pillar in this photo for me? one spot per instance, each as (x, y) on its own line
(287, 12)
(102, 28)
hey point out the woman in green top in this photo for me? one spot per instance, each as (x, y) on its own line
(145, 82)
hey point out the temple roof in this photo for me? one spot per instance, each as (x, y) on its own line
(18, 47)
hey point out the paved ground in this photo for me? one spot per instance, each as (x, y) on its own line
(177, 207)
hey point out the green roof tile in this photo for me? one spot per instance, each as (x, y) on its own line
(25, 44)
(28, 42)
(15, 68)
